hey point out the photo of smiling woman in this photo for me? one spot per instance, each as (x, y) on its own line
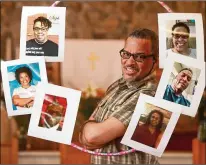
(23, 96)
(151, 125)
(182, 39)
(149, 132)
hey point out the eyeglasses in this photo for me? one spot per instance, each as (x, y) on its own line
(139, 57)
(177, 36)
(42, 29)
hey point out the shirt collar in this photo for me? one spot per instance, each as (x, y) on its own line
(136, 84)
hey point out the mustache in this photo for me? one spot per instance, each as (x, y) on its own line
(135, 67)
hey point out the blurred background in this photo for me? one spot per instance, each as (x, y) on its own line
(97, 30)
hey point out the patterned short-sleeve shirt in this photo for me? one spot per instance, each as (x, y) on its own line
(119, 102)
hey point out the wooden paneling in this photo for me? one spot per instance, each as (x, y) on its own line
(9, 152)
(199, 152)
(71, 155)
(37, 144)
(54, 72)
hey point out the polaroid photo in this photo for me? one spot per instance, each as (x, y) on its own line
(43, 33)
(151, 125)
(55, 113)
(181, 33)
(182, 82)
(20, 80)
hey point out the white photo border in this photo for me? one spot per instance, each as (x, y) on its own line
(163, 17)
(29, 10)
(139, 109)
(5, 82)
(171, 59)
(65, 135)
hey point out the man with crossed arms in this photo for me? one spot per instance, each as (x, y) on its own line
(108, 123)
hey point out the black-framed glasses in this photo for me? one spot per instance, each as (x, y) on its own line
(183, 36)
(42, 29)
(139, 57)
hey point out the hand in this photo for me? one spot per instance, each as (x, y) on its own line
(30, 104)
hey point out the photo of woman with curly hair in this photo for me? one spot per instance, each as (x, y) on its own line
(23, 96)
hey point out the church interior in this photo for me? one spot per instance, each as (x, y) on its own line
(101, 20)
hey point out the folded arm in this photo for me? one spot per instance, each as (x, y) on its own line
(17, 101)
(95, 135)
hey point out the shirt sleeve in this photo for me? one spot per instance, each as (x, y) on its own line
(15, 92)
(125, 111)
